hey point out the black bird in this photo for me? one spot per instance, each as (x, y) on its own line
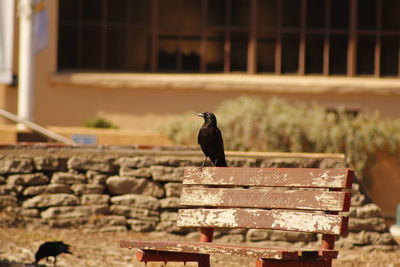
(51, 249)
(210, 140)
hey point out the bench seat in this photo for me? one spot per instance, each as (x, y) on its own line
(228, 249)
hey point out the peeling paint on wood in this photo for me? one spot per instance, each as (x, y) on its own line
(234, 250)
(261, 219)
(255, 198)
(285, 177)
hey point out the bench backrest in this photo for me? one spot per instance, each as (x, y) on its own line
(292, 199)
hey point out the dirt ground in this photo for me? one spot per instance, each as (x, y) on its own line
(18, 246)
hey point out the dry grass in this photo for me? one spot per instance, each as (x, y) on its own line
(17, 248)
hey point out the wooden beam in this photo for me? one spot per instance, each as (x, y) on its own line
(252, 46)
(227, 43)
(378, 39)
(282, 177)
(213, 248)
(302, 45)
(352, 46)
(325, 67)
(308, 222)
(203, 40)
(256, 198)
(154, 36)
(278, 44)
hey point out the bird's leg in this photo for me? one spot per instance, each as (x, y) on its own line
(55, 261)
(204, 163)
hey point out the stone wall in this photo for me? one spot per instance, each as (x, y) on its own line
(121, 188)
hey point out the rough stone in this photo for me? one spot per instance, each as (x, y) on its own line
(223, 231)
(256, 235)
(47, 189)
(136, 201)
(260, 235)
(28, 179)
(169, 161)
(50, 163)
(141, 172)
(332, 163)
(369, 224)
(164, 173)
(170, 227)
(68, 178)
(2, 180)
(16, 165)
(135, 162)
(91, 174)
(107, 220)
(80, 189)
(51, 200)
(8, 201)
(357, 199)
(90, 199)
(240, 162)
(30, 213)
(141, 226)
(94, 177)
(74, 212)
(67, 223)
(114, 229)
(99, 179)
(381, 248)
(33, 213)
(368, 211)
(364, 238)
(170, 203)
(232, 239)
(8, 190)
(127, 185)
(173, 189)
(282, 244)
(135, 213)
(93, 163)
(169, 216)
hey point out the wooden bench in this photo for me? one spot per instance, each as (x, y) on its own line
(293, 199)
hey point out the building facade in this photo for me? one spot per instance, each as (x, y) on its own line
(140, 63)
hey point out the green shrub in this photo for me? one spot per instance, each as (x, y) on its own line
(99, 122)
(251, 124)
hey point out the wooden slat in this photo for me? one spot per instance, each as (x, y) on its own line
(254, 198)
(168, 256)
(233, 250)
(282, 177)
(262, 219)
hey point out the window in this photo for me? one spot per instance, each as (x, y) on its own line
(318, 37)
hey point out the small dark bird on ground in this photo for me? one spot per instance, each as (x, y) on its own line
(210, 140)
(51, 249)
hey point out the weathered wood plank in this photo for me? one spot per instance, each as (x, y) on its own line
(227, 249)
(262, 219)
(285, 177)
(255, 198)
(167, 256)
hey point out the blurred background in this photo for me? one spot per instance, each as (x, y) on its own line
(281, 75)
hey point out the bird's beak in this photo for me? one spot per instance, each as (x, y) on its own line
(200, 114)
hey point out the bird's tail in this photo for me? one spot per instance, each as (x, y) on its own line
(220, 163)
(64, 248)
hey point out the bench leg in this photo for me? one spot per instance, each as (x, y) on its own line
(204, 261)
(294, 263)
